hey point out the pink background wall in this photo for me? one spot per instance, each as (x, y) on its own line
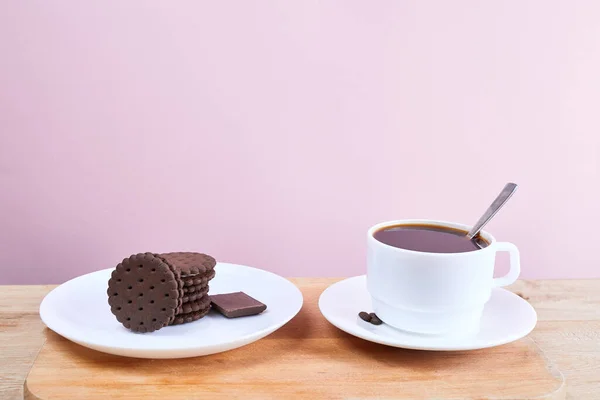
(274, 133)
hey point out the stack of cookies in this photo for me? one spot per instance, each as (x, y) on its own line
(149, 291)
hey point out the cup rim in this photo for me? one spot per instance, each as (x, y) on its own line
(486, 235)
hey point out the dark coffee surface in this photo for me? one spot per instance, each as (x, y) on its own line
(427, 238)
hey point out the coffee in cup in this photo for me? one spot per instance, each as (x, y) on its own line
(427, 277)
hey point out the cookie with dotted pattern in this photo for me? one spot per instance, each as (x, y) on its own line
(144, 293)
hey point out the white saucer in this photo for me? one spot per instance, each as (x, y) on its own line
(506, 318)
(79, 311)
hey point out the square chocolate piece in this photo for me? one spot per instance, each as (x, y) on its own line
(238, 304)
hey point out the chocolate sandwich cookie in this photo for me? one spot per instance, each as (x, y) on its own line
(190, 317)
(198, 291)
(190, 264)
(188, 297)
(198, 279)
(193, 306)
(193, 289)
(144, 293)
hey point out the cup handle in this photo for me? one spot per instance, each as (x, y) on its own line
(515, 264)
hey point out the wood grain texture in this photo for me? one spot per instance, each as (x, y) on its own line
(292, 366)
(21, 335)
(568, 331)
(307, 358)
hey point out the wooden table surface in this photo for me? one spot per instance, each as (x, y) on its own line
(568, 331)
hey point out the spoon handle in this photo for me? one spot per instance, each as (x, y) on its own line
(497, 204)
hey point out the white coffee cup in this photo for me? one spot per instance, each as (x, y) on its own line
(434, 293)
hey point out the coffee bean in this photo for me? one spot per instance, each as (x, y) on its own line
(521, 295)
(375, 319)
(365, 316)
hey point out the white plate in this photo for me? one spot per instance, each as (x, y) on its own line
(506, 318)
(79, 311)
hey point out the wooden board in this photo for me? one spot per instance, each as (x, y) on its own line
(307, 358)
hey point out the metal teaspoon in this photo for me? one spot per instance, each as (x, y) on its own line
(496, 205)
